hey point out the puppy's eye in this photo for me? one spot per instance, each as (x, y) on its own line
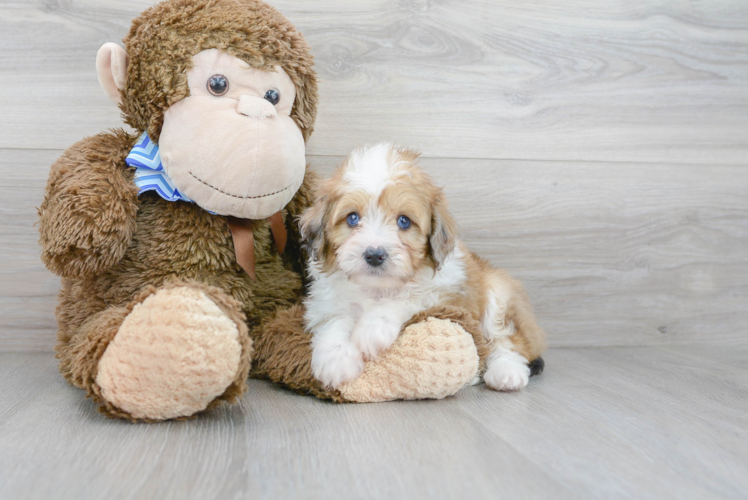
(272, 96)
(218, 85)
(403, 222)
(352, 219)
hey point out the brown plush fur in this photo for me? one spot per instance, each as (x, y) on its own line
(113, 248)
(78, 238)
(163, 39)
(160, 245)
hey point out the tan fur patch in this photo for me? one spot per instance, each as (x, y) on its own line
(529, 338)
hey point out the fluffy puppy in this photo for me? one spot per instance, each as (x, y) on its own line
(383, 247)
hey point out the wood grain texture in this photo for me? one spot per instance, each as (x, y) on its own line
(656, 81)
(661, 422)
(611, 254)
(632, 422)
(28, 292)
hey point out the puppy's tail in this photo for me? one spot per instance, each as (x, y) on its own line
(536, 366)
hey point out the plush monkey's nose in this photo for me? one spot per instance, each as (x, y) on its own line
(255, 107)
(375, 257)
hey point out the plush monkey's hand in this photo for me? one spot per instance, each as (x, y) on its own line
(87, 219)
(436, 355)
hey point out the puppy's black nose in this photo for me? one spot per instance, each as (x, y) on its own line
(375, 257)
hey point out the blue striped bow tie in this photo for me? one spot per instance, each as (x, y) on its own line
(149, 171)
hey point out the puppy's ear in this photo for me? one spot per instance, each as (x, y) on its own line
(312, 228)
(443, 231)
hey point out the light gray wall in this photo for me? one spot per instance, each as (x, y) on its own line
(596, 151)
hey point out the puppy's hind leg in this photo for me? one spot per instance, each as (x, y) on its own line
(510, 326)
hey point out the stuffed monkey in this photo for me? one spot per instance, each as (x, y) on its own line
(178, 248)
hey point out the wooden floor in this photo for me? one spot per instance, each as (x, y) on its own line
(596, 150)
(627, 422)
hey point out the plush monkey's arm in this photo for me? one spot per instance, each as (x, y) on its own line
(87, 219)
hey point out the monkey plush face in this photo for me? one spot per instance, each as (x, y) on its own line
(227, 91)
(231, 146)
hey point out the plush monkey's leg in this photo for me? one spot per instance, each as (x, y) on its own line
(172, 352)
(439, 352)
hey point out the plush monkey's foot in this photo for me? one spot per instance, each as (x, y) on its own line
(174, 354)
(431, 359)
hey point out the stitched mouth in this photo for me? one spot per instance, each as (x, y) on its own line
(236, 195)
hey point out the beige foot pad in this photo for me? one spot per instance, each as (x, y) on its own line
(174, 354)
(429, 360)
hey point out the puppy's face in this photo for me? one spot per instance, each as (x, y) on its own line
(379, 219)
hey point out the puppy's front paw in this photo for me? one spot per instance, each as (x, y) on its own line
(507, 375)
(336, 364)
(374, 334)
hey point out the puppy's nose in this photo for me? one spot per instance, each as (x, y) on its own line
(255, 107)
(375, 257)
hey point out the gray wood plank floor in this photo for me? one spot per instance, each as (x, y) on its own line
(637, 422)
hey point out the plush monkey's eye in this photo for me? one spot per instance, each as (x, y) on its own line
(272, 96)
(352, 219)
(403, 222)
(218, 85)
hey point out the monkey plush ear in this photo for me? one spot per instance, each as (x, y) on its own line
(111, 65)
(443, 231)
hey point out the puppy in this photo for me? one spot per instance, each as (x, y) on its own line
(382, 247)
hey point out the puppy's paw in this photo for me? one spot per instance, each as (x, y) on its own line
(506, 375)
(374, 334)
(337, 364)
